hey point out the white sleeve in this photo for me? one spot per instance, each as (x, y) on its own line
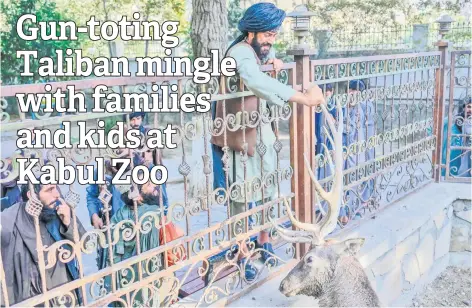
(259, 83)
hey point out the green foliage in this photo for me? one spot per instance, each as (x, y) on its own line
(186, 42)
(280, 46)
(11, 42)
(235, 13)
(427, 11)
(361, 14)
(110, 122)
(358, 14)
(346, 23)
(157, 10)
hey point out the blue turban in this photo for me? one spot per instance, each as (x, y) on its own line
(259, 17)
(357, 85)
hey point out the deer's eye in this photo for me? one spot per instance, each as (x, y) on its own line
(309, 260)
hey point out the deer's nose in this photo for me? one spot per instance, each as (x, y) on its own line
(283, 286)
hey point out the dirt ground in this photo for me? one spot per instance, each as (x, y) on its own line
(451, 289)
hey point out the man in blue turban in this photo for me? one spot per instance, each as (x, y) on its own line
(259, 27)
(263, 19)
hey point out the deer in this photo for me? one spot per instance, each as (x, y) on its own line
(330, 270)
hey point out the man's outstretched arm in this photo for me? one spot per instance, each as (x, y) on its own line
(269, 88)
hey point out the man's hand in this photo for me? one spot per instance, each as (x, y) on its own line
(311, 98)
(278, 64)
(63, 211)
(315, 96)
(97, 222)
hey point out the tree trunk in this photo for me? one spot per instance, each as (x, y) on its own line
(146, 18)
(209, 30)
(209, 27)
(110, 49)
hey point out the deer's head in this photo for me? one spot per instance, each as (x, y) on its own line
(316, 271)
(317, 268)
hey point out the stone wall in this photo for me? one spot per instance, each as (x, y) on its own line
(399, 270)
(461, 235)
(460, 250)
(408, 243)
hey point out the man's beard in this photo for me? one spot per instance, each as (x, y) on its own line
(150, 199)
(258, 48)
(47, 213)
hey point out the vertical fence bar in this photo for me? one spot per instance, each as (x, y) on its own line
(184, 161)
(225, 148)
(293, 148)
(106, 211)
(39, 249)
(79, 254)
(438, 112)
(135, 203)
(243, 161)
(206, 172)
(450, 116)
(261, 155)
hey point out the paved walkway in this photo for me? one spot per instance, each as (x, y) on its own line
(268, 295)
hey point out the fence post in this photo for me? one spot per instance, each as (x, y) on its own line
(301, 143)
(439, 111)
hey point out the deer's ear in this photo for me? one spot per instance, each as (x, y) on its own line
(353, 245)
(349, 246)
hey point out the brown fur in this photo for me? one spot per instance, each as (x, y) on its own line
(332, 274)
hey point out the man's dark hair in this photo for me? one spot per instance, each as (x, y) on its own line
(357, 84)
(149, 199)
(112, 170)
(25, 189)
(126, 200)
(135, 115)
(326, 87)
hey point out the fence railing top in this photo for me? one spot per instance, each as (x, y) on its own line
(373, 58)
(461, 52)
(82, 84)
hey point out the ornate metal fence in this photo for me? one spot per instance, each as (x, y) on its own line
(393, 156)
(210, 270)
(389, 107)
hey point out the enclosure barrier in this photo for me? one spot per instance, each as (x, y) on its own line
(389, 150)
